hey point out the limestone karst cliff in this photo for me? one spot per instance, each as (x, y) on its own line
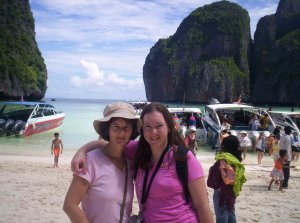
(275, 75)
(211, 55)
(22, 67)
(206, 57)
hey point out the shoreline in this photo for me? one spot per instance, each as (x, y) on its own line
(35, 190)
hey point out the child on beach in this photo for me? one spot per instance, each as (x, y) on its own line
(277, 172)
(56, 148)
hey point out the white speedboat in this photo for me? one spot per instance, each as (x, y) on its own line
(139, 106)
(284, 119)
(28, 118)
(237, 116)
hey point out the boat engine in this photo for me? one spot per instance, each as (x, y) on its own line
(8, 126)
(2, 123)
(18, 126)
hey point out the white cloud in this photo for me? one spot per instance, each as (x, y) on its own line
(94, 77)
(76, 36)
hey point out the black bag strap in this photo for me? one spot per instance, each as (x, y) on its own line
(146, 189)
(124, 193)
(182, 169)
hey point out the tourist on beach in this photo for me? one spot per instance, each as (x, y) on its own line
(155, 156)
(264, 122)
(295, 146)
(190, 140)
(277, 172)
(245, 143)
(227, 177)
(254, 123)
(56, 148)
(276, 131)
(183, 129)
(176, 121)
(225, 125)
(108, 179)
(260, 147)
(270, 144)
(276, 147)
(285, 143)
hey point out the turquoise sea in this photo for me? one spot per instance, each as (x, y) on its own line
(77, 127)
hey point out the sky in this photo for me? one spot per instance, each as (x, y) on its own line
(96, 49)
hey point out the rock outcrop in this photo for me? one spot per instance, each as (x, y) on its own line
(22, 68)
(211, 56)
(206, 58)
(275, 75)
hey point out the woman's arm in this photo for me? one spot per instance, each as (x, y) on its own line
(199, 196)
(73, 198)
(78, 163)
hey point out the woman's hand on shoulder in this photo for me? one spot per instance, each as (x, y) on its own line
(78, 163)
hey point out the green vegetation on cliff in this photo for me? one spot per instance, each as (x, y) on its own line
(227, 66)
(20, 58)
(208, 52)
(225, 16)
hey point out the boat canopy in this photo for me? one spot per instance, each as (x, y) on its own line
(182, 110)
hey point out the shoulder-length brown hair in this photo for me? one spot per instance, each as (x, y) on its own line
(144, 154)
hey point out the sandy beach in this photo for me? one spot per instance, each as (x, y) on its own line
(33, 191)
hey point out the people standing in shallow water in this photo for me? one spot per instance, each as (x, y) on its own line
(56, 148)
(227, 177)
(158, 144)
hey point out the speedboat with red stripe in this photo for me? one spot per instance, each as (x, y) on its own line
(28, 118)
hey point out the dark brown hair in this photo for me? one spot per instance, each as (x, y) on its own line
(104, 128)
(144, 154)
(231, 145)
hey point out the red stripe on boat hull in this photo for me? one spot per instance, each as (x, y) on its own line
(43, 126)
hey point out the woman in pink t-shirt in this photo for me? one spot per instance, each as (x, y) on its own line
(165, 200)
(108, 180)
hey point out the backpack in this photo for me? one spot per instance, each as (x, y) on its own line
(182, 169)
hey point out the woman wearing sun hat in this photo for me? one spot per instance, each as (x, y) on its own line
(108, 180)
(245, 143)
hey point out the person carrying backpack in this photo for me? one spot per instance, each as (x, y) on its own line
(227, 177)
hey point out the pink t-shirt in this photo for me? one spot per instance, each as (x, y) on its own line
(104, 197)
(166, 202)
